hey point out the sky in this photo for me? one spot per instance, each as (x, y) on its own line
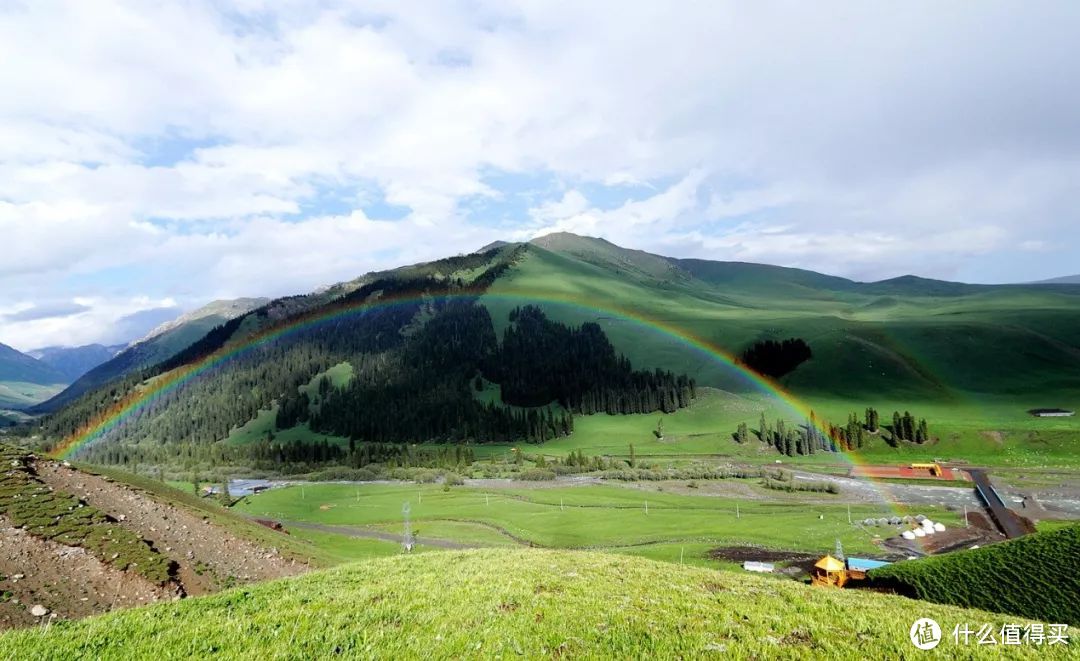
(155, 156)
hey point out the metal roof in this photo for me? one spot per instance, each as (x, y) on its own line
(865, 563)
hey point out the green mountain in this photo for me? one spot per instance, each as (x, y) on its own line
(18, 366)
(905, 342)
(26, 381)
(160, 344)
(907, 338)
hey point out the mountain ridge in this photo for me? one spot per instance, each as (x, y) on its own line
(73, 362)
(162, 343)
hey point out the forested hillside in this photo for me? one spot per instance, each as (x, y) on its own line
(510, 343)
(415, 364)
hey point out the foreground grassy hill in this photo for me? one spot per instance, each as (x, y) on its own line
(1035, 576)
(496, 603)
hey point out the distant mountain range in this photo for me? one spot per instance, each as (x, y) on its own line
(73, 362)
(160, 344)
(1064, 280)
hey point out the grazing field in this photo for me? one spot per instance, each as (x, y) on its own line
(510, 603)
(20, 394)
(577, 517)
(992, 434)
(1036, 576)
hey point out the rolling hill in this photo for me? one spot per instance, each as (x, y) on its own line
(500, 603)
(903, 343)
(1064, 280)
(1034, 576)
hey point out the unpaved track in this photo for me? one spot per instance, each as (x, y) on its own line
(65, 579)
(375, 534)
(208, 556)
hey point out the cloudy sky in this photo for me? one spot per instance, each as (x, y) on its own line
(154, 156)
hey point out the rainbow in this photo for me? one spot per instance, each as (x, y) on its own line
(141, 398)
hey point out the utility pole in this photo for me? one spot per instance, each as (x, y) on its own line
(737, 515)
(849, 514)
(646, 508)
(407, 541)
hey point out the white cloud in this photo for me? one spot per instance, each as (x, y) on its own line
(192, 150)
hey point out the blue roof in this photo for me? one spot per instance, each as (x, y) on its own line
(865, 564)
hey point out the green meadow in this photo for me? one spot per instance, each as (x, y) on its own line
(971, 360)
(594, 517)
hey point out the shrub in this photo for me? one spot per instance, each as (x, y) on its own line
(537, 475)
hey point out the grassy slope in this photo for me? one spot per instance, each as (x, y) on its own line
(971, 360)
(290, 546)
(20, 394)
(495, 603)
(577, 517)
(1036, 576)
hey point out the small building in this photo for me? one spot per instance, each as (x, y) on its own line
(829, 572)
(857, 567)
(759, 567)
(1051, 413)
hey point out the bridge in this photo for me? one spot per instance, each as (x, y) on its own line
(1007, 520)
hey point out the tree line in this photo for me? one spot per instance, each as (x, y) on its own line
(809, 438)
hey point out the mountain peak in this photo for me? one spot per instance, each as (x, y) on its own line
(226, 308)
